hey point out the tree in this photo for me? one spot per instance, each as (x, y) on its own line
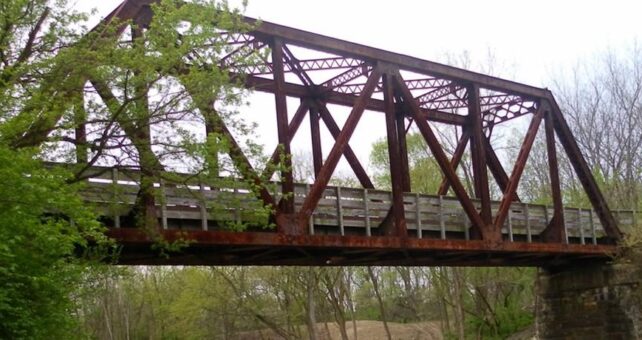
(421, 163)
(149, 91)
(602, 101)
(44, 225)
(113, 96)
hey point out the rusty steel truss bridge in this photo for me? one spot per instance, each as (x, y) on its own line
(319, 224)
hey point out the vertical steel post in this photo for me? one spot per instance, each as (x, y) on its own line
(395, 158)
(555, 231)
(438, 153)
(315, 135)
(403, 148)
(477, 150)
(282, 123)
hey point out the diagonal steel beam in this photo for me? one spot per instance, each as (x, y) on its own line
(320, 64)
(335, 154)
(295, 66)
(583, 171)
(492, 160)
(440, 155)
(330, 123)
(456, 159)
(496, 168)
(241, 162)
(348, 153)
(518, 168)
(345, 77)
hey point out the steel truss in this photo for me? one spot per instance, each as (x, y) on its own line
(406, 90)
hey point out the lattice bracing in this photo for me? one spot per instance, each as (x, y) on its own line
(317, 223)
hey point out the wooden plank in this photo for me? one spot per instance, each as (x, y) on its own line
(163, 201)
(510, 225)
(442, 222)
(418, 217)
(358, 208)
(340, 212)
(580, 225)
(311, 220)
(466, 226)
(114, 176)
(595, 226)
(366, 208)
(203, 210)
(237, 206)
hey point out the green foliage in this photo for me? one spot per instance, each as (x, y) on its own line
(502, 299)
(489, 303)
(189, 303)
(159, 86)
(47, 62)
(43, 227)
(425, 174)
(507, 320)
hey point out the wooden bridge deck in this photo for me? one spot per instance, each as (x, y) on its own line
(346, 219)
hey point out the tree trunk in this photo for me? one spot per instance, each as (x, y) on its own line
(311, 319)
(459, 303)
(382, 309)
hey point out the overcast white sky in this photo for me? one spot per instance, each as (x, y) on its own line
(534, 38)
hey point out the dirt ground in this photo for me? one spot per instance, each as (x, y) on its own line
(366, 330)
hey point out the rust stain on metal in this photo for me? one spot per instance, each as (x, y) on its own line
(368, 79)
